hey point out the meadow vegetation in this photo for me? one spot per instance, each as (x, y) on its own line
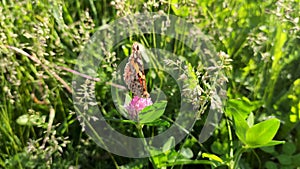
(258, 42)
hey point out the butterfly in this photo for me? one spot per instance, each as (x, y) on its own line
(134, 75)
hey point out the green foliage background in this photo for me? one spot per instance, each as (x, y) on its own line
(39, 39)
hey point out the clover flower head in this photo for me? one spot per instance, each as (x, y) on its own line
(136, 105)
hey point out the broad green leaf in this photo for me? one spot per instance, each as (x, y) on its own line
(271, 143)
(289, 148)
(284, 159)
(153, 112)
(270, 165)
(269, 149)
(169, 144)
(212, 157)
(262, 133)
(244, 106)
(241, 126)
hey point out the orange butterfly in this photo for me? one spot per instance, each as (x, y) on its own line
(134, 75)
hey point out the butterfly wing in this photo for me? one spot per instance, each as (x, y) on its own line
(134, 75)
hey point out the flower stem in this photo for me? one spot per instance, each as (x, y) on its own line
(238, 157)
(141, 134)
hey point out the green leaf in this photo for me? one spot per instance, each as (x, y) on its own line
(284, 159)
(289, 148)
(250, 119)
(269, 149)
(262, 133)
(23, 120)
(186, 152)
(270, 165)
(179, 10)
(244, 106)
(169, 144)
(271, 143)
(153, 112)
(241, 126)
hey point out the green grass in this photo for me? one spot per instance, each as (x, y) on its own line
(40, 39)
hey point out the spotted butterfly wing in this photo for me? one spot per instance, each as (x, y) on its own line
(134, 75)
